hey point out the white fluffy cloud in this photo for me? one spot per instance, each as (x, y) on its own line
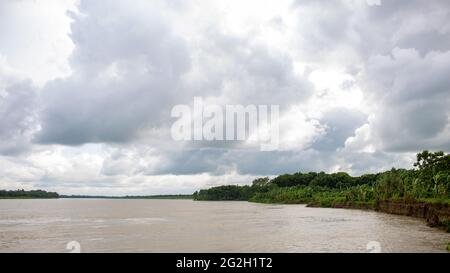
(33, 37)
(411, 98)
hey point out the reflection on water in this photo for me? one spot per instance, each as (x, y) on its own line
(104, 225)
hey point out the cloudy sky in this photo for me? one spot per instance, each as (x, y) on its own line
(86, 88)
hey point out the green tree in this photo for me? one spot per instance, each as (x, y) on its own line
(433, 168)
(261, 182)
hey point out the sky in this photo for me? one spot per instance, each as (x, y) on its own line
(87, 88)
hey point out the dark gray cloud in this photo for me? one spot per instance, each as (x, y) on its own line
(406, 24)
(127, 65)
(18, 119)
(128, 74)
(340, 124)
(220, 162)
(413, 97)
(364, 30)
(254, 74)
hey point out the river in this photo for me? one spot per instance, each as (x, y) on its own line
(119, 225)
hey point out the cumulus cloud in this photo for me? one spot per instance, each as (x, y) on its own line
(34, 38)
(18, 117)
(127, 64)
(340, 124)
(411, 97)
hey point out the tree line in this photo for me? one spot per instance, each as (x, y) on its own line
(27, 194)
(428, 180)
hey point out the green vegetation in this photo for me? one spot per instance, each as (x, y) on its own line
(22, 194)
(428, 182)
(225, 193)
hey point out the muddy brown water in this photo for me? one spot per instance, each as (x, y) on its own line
(110, 225)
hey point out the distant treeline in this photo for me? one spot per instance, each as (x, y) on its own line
(168, 196)
(429, 180)
(23, 194)
(4, 194)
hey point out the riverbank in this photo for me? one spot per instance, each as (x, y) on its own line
(435, 214)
